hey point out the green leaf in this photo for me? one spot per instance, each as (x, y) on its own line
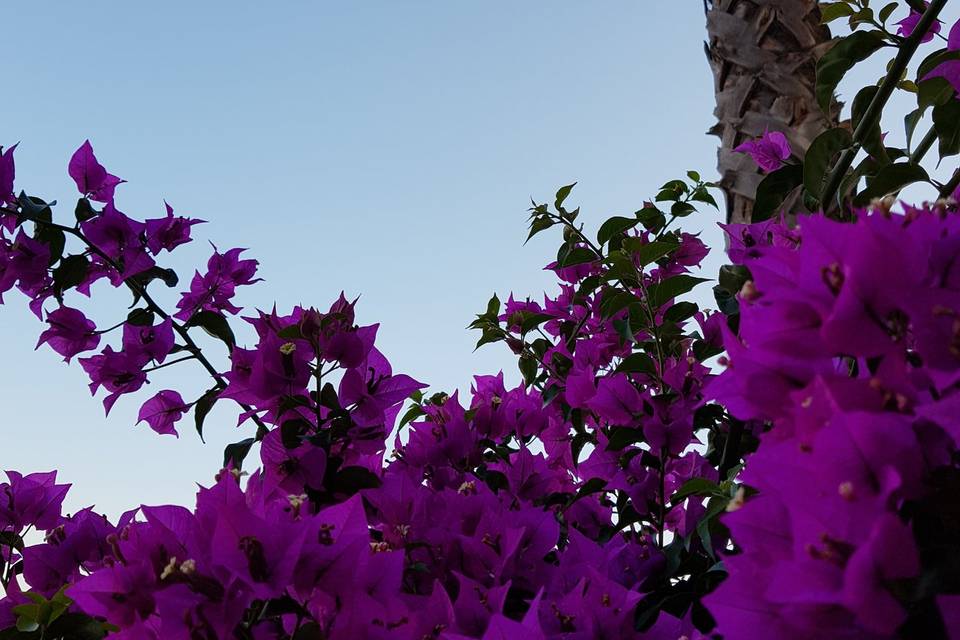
(539, 224)
(908, 85)
(78, 626)
(932, 92)
(84, 210)
(415, 411)
(140, 318)
(25, 624)
(726, 301)
(886, 12)
(291, 332)
(873, 139)
(615, 226)
(496, 480)
(529, 367)
(621, 267)
(71, 271)
(293, 431)
(615, 301)
(575, 256)
(36, 207)
(831, 11)
(593, 485)
(622, 327)
(329, 398)
(11, 539)
(946, 122)
(702, 195)
(733, 276)
(309, 630)
(489, 335)
(774, 189)
(681, 209)
(531, 321)
(676, 185)
(203, 406)
(638, 362)
(562, 194)
(862, 16)
(352, 479)
(910, 122)
(577, 444)
(647, 253)
(53, 238)
(670, 288)
(236, 452)
(934, 60)
(493, 307)
(167, 276)
(891, 178)
(40, 211)
(695, 487)
(215, 325)
(652, 219)
(622, 437)
(842, 57)
(820, 156)
(681, 311)
(668, 195)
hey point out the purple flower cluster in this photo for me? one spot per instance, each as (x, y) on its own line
(908, 25)
(557, 509)
(849, 348)
(625, 489)
(949, 69)
(769, 151)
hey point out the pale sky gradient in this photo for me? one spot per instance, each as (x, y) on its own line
(384, 148)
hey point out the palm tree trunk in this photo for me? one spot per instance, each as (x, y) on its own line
(764, 55)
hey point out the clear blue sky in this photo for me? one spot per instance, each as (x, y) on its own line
(388, 149)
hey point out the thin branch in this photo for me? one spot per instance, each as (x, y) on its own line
(872, 116)
(924, 146)
(947, 190)
(731, 449)
(141, 291)
(169, 363)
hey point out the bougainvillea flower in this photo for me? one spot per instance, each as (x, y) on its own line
(7, 174)
(121, 593)
(33, 500)
(751, 241)
(24, 263)
(118, 372)
(950, 69)
(214, 290)
(70, 332)
(890, 554)
(374, 396)
(280, 367)
(77, 544)
(169, 232)
(163, 411)
(152, 342)
(769, 151)
(581, 387)
(617, 400)
(292, 469)
(692, 251)
(908, 25)
(121, 239)
(92, 179)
